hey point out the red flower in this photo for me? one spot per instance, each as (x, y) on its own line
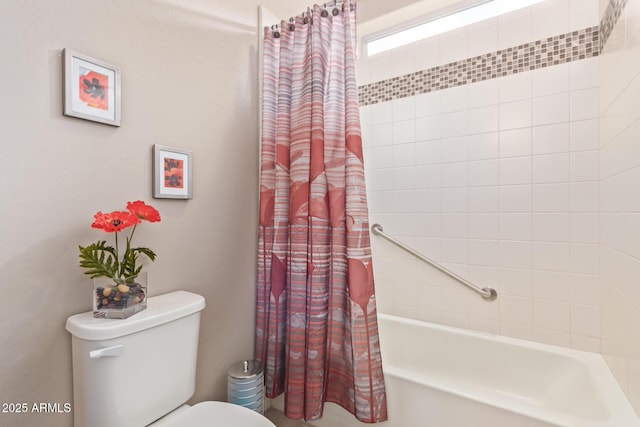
(143, 211)
(114, 221)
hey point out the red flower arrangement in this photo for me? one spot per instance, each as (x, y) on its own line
(101, 260)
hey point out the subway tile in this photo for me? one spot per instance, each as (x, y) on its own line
(455, 124)
(584, 135)
(382, 135)
(514, 29)
(455, 225)
(585, 258)
(584, 74)
(404, 108)
(516, 142)
(404, 132)
(453, 45)
(551, 168)
(551, 227)
(516, 170)
(551, 80)
(516, 226)
(585, 166)
(484, 200)
(585, 289)
(516, 282)
(484, 173)
(483, 37)
(551, 138)
(483, 120)
(455, 251)
(515, 114)
(551, 337)
(551, 198)
(455, 99)
(455, 149)
(454, 200)
(429, 176)
(484, 146)
(403, 60)
(381, 113)
(585, 104)
(428, 104)
(583, 13)
(551, 109)
(404, 155)
(516, 310)
(484, 93)
(515, 198)
(585, 320)
(428, 128)
(585, 228)
(552, 286)
(552, 315)
(429, 201)
(549, 19)
(515, 254)
(552, 256)
(484, 252)
(455, 174)
(515, 87)
(484, 226)
(403, 178)
(584, 197)
(428, 152)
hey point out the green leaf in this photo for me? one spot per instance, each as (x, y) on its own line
(129, 268)
(99, 260)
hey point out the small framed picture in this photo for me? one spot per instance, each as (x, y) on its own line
(172, 173)
(91, 89)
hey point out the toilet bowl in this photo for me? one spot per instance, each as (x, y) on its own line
(141, 371)
(207, 414)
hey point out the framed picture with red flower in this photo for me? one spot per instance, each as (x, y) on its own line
(172, 173)
(91, 89)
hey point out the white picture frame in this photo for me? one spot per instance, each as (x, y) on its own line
(91, 89)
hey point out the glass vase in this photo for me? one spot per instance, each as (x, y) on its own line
(119, 298)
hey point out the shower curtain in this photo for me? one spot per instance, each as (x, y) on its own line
(316, 325)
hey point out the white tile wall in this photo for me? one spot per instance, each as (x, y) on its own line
(618, 260)
(498, 180)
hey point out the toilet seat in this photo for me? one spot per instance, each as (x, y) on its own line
(208, 414)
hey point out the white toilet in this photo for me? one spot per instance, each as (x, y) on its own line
(140, 371)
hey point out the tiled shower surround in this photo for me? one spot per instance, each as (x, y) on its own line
(580, 44)
(519, 173)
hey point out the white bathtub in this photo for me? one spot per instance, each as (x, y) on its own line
(440, 376)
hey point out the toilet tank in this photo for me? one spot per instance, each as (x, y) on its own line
(128, 373)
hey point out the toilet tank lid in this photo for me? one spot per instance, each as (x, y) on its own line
(160, 309)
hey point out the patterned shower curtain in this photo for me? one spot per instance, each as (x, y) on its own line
(316, 325)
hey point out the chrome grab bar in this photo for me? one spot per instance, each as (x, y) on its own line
(489, 294)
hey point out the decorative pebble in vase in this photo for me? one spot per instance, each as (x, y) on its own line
(119, 298)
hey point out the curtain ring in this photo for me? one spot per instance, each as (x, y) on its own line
(324, 12)
(276, 33)
(335, 12)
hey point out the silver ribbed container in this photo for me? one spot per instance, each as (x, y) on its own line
(246, 385)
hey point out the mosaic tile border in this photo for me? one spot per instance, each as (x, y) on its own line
(556, 50)
(609, 20)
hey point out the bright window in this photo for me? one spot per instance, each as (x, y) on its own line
(459, 19)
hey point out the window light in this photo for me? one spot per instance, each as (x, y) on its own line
(459, 19)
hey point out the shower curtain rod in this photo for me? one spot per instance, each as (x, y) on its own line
(325, 11)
